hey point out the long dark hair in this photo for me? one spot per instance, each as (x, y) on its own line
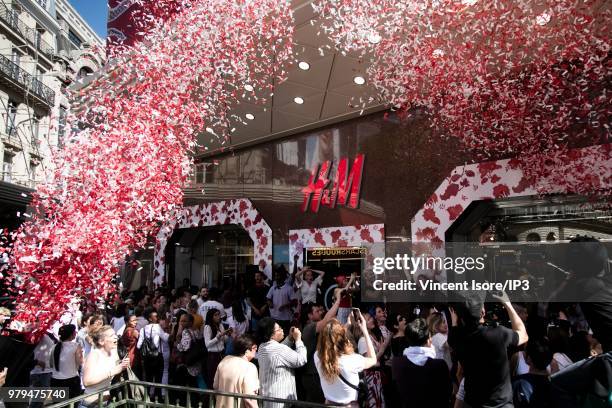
(238, 311)
(65, 333)
(214, 327)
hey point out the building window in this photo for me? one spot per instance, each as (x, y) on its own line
(75, 40)
(7, 167)
(43, 3)
(11, 114)
(203, 173)
(35, 131)
(33, 173)
(61, 129)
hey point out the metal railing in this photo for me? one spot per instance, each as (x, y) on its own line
(30, 34)
(188, 395)
(11, 70)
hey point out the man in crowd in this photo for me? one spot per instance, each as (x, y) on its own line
(236, 373)
(420, 378)
(278, 361)
(482, 351)
(533, 390)
(203, 296)
(257, 297)
(280, 298)
(212, 303)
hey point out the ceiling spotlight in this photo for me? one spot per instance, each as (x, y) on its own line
(249, 116)
(374, 38)
(299, 100)
(248, 87)
(304, 66)
(359, 80)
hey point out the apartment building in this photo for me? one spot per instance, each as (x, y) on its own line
(45, 45)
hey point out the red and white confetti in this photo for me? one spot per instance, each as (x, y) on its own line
(525, 79)
(125, 163)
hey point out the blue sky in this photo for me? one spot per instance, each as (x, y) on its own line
(94, 12)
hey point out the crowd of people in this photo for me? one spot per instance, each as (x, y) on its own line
(267, 341)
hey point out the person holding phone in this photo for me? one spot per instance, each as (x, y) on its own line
(339, 365)
(482, 351)
(215, 337)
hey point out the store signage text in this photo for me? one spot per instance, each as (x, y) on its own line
(344, 190)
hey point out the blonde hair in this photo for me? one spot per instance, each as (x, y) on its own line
(333, 342)
(434, 321)
(97, 335)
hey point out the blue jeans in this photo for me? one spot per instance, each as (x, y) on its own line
(39, 380)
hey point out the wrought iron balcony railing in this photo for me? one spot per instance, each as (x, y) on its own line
(12, 71)
(30, 34)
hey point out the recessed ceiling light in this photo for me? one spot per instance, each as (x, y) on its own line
(304, 66)
(249, 116)
(374, 38)
(359, 80)
(248, 87)
(298, 100)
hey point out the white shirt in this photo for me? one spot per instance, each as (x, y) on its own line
(308, 291)
(211, 304)
(153, 331)
(118, 324)
(42, 352)
(68, 367)
(438, 341)
(281, 297)
(141, 322)
(239, 328)
(338, 391)
(214, 344)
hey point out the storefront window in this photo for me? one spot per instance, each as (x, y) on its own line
(213, 256)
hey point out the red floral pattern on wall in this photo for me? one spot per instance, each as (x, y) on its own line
(240, 212)
(505, 179)
(367, 235)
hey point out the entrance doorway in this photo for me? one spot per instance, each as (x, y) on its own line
(215, 256)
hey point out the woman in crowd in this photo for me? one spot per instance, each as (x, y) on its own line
(308, 285)
(165, 350)
(339, 366)
(399, 342)
(153, 333)
(130, 340)
(237, 321)
(186, 337)
(438, 327)
(278, 361)
(66, 361)
(102, 364)
(94, 323)
(215, 337)
(373, 376)
(558, 339)
(118, 321)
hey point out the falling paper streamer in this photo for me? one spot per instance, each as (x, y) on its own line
(119, 177)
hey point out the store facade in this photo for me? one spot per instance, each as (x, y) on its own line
(355, 185)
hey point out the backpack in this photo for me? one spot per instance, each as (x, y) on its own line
(148, 349)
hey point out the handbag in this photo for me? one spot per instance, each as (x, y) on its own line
(361, 388)
(195, 353)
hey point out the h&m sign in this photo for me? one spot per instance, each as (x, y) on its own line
(344, 190)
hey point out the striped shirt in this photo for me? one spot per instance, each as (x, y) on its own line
(277, 362)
